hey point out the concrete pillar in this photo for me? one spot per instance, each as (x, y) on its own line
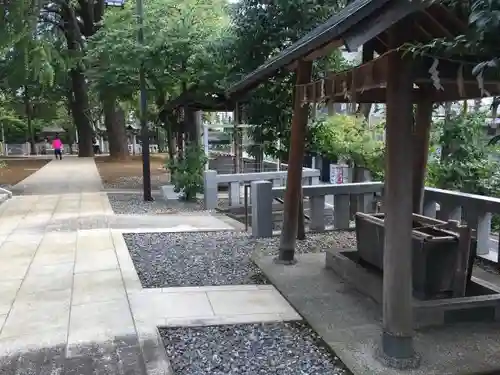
(483, 233)
(365, 203)
(234, 194)
(262, 208)
(341, 211)
(210, 190)
(448, 211)
(430, 209)
(317, 213)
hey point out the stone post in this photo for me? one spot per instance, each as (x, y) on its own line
(262, 208)
(234, 194)
(317, 213)
(341, 212)
(210, 190)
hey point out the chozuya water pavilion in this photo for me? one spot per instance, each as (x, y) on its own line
(402, 81)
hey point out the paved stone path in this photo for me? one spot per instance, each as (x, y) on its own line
(70, 299)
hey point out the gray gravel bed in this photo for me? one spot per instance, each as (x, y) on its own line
(249, 349)
(213, 258)
(487, 265)
(133, 204)
(193, 259)
(135, 182)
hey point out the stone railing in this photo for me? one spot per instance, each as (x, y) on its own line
(212, 180)
(475, 210)
(223, 163)
(263, 193)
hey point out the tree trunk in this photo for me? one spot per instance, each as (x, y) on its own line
(447, 115)
(29, 117)
(114, 121)
(365, 109)
(80, 110)
(421, 136)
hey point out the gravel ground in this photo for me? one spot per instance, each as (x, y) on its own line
(135, 182)
(249, 349)
(487, 266)
(133, 204)
(213, 258)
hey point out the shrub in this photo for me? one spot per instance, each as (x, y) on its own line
(187, 172)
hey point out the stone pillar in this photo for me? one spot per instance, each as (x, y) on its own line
(341, 214)
(210, 190)
(483, 233)
(397, 337)
(430, 209)
(262, 208)
(234, 194)
(317, 213)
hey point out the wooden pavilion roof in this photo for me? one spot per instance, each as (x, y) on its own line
(199, 99)
(362, 22)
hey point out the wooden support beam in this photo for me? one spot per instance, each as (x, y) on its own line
(236, 147)
(421, 135)
(294, 173)
(397, 338)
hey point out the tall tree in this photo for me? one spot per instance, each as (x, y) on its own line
(77, 20)
(263, 28)
(175, 53)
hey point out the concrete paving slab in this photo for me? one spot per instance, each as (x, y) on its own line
(69, 289)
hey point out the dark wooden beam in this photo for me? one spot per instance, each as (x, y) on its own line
(294, 173)
(325, 50)
(439, 25)
(236, 139)
(397, 337)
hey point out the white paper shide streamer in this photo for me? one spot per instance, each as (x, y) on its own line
(480, 84)
(435, 75)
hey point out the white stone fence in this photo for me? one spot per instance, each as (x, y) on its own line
(212, 180)
(475, 210)
(263, 193)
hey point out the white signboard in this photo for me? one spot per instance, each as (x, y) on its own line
(338, 173)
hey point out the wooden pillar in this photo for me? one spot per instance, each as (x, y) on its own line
(397, 338)
(294, 173)
(236, 148)
(421, 135)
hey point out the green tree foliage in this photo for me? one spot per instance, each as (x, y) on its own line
(262, 29)
(346, 137)
(174, 55)
(466, 164)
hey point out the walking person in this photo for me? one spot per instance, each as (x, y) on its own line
(57, 145)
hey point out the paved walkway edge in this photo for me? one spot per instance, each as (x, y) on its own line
(7, 192)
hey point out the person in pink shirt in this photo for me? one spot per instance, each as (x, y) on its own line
(57, 146)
